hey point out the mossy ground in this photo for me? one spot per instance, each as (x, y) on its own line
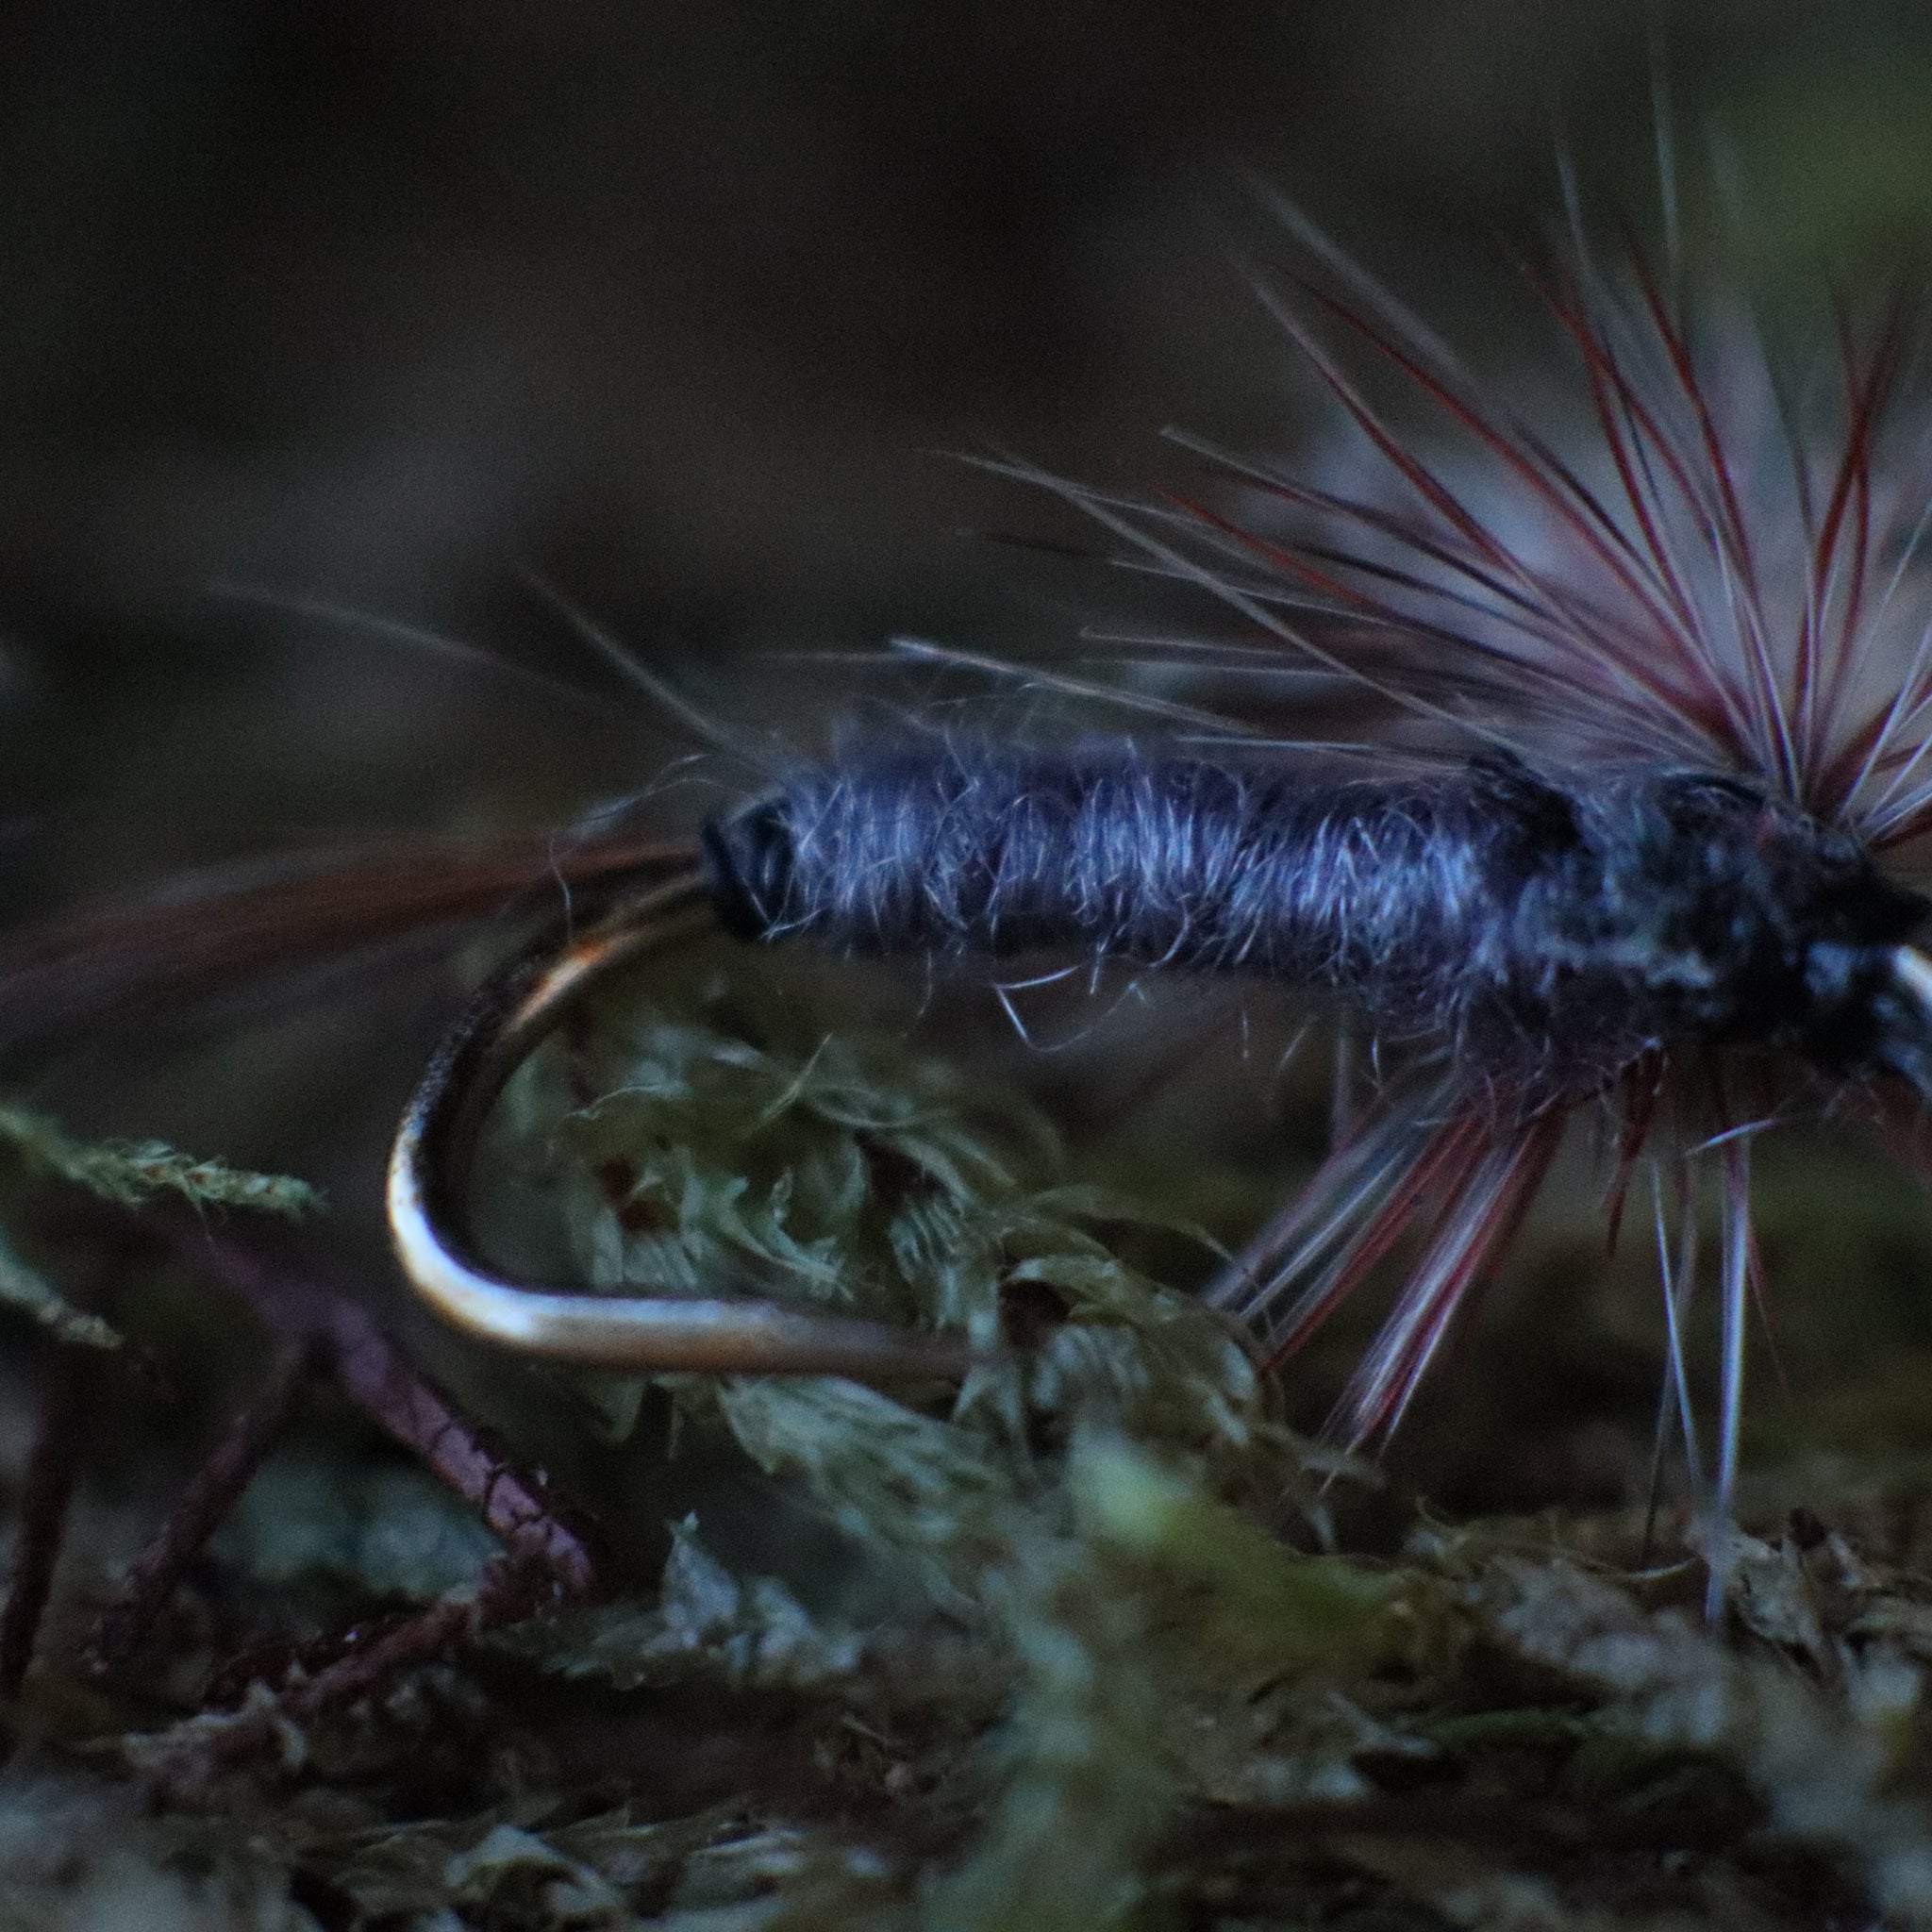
(1095, 1639)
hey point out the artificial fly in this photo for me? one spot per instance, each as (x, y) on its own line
(1633, 840)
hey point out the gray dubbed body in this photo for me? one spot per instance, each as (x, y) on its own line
(1548, 933)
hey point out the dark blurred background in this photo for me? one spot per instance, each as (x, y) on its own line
(682, 304)
(683, 308)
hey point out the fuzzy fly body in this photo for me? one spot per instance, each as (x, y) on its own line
(1551, 934)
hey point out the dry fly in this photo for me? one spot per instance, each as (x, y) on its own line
(1633, 843)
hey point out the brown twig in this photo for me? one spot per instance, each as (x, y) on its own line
(186, 1759)
(507, 1593)
(46, 1492)
(123, 1626)
(545, 1557)
(380, 1380)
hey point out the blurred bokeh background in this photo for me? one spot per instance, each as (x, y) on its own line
(682, 305)
(381, 307)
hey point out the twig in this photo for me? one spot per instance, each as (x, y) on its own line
(46, 1491)
(124, 1626)
(507, 1593)
(186, 1759)
(380, 1380)
(544, 1559)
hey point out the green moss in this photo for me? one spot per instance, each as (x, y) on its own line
(1061, 1657)
(131, 1173)
(128, 1174)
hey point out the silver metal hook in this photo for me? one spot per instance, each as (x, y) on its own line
(434, 1150)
